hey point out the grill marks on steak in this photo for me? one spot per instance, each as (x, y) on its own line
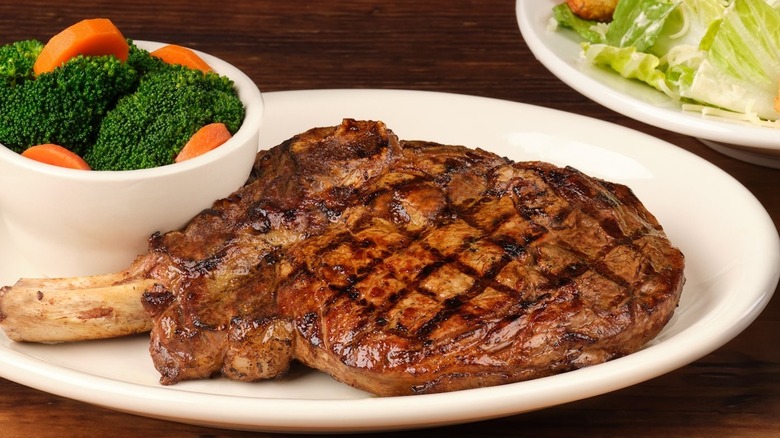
(544, 270)
(220, 270)
(410, 267)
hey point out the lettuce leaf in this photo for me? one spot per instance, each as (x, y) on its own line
(742, 65)
(638, 23)
(589, 30)
(629, 63)
(689, 24)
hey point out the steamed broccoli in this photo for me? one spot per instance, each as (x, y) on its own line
(148, 127)
(142, 61)
(116, 115)
(16, 61)
(64, 106)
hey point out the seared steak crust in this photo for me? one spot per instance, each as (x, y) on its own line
(409, 267)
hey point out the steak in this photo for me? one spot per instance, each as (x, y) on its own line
(407, 267)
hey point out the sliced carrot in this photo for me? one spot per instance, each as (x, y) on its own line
(205, 139)
(90, 37)
(55, 155)
(173, 54)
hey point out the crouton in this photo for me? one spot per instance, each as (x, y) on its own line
(599, 10)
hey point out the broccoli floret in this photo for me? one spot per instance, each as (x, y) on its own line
(64, 106)
(142, 61)
(149, 127)
(16, 61)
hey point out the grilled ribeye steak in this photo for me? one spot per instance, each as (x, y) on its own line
(406, 267)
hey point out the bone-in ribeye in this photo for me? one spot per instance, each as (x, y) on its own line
(407, 267)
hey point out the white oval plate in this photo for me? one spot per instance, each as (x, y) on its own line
(731, 276)
(559, 51)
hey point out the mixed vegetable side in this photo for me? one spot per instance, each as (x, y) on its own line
(91, 99)
(721, 57)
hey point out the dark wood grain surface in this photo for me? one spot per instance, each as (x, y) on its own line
(469, 47)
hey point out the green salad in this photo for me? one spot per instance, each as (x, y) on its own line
(721, 57)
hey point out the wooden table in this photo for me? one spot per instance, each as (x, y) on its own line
(461, 46)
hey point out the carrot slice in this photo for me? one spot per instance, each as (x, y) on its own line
(173, 54)
(90, 37)
(205, 139)
(55, 155)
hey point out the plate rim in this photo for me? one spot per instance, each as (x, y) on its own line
(370, 414)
